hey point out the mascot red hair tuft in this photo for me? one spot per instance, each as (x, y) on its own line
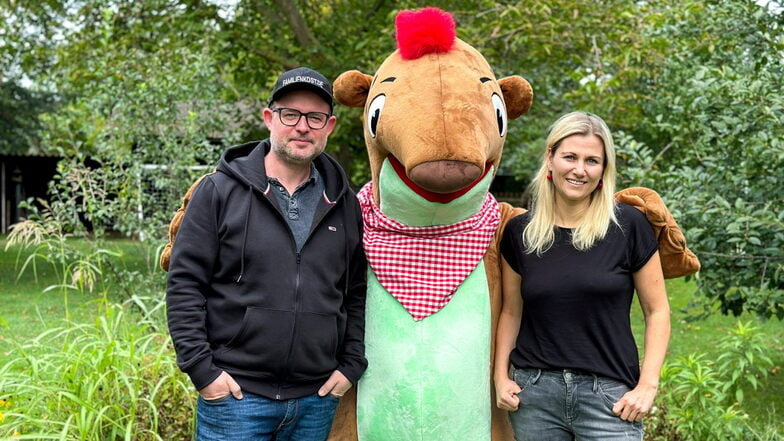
(427, 31)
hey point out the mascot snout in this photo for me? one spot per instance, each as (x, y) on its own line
(445, 176)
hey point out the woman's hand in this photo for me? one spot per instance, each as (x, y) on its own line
(636, 403)
(506, 391)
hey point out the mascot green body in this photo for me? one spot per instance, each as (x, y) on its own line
(433, 373)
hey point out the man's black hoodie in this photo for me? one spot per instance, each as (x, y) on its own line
(241, 299)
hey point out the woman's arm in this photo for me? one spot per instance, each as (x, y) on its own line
(506, 336)
(649, 284)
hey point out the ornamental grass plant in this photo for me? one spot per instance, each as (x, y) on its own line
(100, 368)
(114, 378)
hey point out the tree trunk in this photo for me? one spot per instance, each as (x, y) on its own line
(297, 23)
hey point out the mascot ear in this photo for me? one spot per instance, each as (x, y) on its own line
(518, 95)
(351, 88)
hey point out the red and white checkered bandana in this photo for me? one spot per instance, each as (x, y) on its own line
(422, 267)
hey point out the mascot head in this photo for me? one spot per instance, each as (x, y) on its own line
(434, 109)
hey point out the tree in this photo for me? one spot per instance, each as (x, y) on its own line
(693, 91)
(699, 105)
(19, 111)
(265, 38)
(718, 119)
(19, 105)
(137, 85)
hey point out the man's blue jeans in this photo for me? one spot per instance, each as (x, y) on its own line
(254, 418)
(568, 405)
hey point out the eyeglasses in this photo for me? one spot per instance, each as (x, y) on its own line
(291, 117)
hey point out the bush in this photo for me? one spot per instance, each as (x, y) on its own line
(700, 400)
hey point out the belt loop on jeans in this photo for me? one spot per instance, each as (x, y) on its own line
(595, 383)
(536, 377)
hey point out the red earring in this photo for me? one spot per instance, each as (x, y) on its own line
(601, 184)
(550, 175)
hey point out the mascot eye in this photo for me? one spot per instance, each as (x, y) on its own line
(374, 113)
(500, 113)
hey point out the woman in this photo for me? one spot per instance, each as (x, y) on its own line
(570, 269)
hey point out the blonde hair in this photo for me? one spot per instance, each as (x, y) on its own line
(539, 234)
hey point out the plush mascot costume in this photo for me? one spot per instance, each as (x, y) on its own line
(435, 125)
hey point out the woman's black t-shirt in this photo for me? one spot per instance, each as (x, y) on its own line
(576, 304)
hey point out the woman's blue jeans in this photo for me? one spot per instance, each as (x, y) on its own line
(254, 418)
(567, 405)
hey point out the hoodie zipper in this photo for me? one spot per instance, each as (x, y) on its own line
(297, 282)
(298, 261)
(294, 323)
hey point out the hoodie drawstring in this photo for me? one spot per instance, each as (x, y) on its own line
(348, 255)
(245, 235)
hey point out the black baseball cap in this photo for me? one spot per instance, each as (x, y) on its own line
(302, 78)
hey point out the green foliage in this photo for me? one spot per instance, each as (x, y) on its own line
(113, 379)
(575, 55)
(140, 312)
(701, 399)
(272, 36)
(141, 103)
(696, 405)
(745, 358)
(87, 267)
(44, 241)
(694, 98)
(19, 123)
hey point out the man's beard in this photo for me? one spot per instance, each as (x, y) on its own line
(289, 154)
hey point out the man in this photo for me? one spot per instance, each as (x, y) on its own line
(266, 288)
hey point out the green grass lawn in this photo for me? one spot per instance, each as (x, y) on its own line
(30, 302)
(26, 311)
